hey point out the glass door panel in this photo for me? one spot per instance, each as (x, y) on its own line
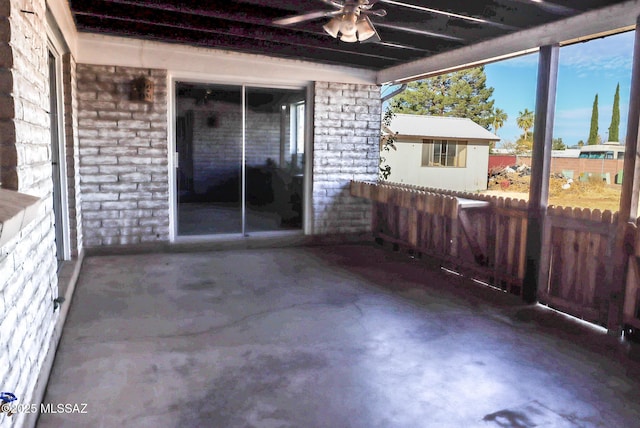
(274, 155)
(209, 123)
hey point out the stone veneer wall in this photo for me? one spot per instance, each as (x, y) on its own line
(123, 157)
(28, 280)
(347, 119)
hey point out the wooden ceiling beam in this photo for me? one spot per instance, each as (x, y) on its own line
(322, 41)
(123, 27)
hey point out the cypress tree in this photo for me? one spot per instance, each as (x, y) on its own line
(614, 129)
(593, 132)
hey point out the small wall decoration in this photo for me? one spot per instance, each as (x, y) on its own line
(141, 89)
(212, 121)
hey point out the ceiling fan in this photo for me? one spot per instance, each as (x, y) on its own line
(350, 22)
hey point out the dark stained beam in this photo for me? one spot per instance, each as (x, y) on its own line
(124, 28)
(449, 14)
(235, 24)
(221, 9)
(494, 13)
(540, 167)
(230, 32)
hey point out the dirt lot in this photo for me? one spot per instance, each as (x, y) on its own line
(590, 194)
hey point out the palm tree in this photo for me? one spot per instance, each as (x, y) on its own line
(525, 121)
(498, 120)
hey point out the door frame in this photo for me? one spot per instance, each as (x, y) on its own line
(173, 79)
(57, 47)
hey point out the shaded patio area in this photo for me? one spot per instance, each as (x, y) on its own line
(327, 336)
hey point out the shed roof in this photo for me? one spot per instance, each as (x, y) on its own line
(415, 125)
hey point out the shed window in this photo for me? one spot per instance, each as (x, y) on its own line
(445, 153)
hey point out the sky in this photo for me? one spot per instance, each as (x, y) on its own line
(585, 69)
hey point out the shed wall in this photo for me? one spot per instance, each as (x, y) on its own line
(406, 167)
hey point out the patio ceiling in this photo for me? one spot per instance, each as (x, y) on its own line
(412, 29)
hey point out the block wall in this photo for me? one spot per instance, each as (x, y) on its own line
(347, 121)
(70, 111)
(123, 161)
(28, 281)
(580, 165)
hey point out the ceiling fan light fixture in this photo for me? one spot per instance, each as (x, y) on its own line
(365, 29)
(333, 27)
(349, 25)
(351, 38)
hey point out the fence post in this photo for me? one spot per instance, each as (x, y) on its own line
(628, 198)
(540, 167)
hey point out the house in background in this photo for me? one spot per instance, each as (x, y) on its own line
(439, 152)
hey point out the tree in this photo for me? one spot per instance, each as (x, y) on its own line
(580, 144)
(525, 122)
(593, 131)
(459, 94)
(498, 119)
(614, 128)
(557, 144)
(387, 143)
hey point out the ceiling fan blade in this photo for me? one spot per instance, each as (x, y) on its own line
(554, 8)
(378, 12)
(335, 3)
(304, 17)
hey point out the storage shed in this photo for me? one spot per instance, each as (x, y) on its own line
(439, 152)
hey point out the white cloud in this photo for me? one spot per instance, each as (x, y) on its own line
(575, 113)
(606, 55)
(610, 54)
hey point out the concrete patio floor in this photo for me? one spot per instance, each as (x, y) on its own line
(327, 336)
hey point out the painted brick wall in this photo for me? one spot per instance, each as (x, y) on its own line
(28, 281)
(72, 151)
(347, 121)
(123, 157)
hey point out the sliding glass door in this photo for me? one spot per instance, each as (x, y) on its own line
(273, 159)
(240, 159)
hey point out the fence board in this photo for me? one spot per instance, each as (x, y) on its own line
(489, 244)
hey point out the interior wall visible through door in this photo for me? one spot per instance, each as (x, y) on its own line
(240, 159)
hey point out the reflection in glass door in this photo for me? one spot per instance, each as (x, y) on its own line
(273, 158)
(209, 146)
(240, 163)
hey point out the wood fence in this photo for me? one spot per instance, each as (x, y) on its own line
(484, 237)
(632, 294)
(577, 262)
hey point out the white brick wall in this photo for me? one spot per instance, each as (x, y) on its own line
(72, 152)
(347, 121)
(123, 157)
(28, 281)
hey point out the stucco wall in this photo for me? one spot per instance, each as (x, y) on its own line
(406, 167)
